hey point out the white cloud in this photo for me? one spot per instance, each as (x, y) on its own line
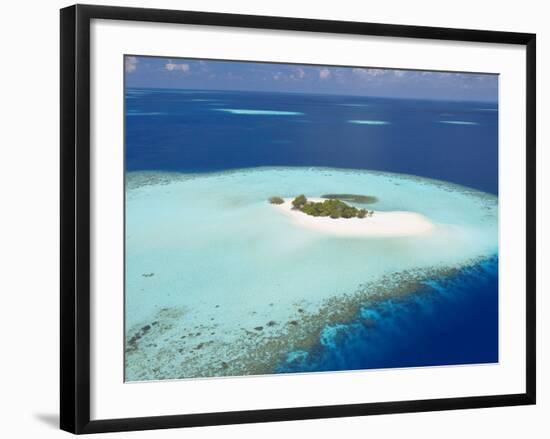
(399, 73)
(172, 67)
(324, 73)
(376, 72)
(368, 73)
(130, 64)
(293, 74)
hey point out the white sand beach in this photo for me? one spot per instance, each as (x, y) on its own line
(380, 224)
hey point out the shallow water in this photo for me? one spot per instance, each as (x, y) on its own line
(207, 254)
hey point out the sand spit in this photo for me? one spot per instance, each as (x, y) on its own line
(380, 224)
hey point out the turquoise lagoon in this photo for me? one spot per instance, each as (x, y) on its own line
(221, 283)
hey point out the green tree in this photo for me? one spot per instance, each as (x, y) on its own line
(276, 200)
(299, 201)
(332, 207)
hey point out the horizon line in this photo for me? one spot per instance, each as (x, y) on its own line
(314, 93)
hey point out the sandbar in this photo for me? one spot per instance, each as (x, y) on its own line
(380, 224)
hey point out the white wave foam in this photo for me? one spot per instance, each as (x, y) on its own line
(458, 122)
(369, 122)
(259, 112)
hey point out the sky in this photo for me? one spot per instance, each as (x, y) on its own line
(183, 73)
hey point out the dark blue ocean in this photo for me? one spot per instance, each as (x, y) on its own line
(194, 131)
(449, 321)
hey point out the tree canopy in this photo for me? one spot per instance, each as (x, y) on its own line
(333, 208)
(276, 200)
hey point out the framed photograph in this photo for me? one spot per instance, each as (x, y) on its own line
(268, 218)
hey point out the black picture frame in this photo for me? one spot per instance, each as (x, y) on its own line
(75, 217)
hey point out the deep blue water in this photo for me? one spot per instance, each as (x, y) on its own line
(450, 321)
(191, 131)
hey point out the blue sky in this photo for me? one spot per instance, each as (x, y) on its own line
(182, 73)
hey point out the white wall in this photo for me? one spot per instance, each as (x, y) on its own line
(29, 217)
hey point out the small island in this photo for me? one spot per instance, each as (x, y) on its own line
(276, 200)
(335, 217)
(332, 208)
